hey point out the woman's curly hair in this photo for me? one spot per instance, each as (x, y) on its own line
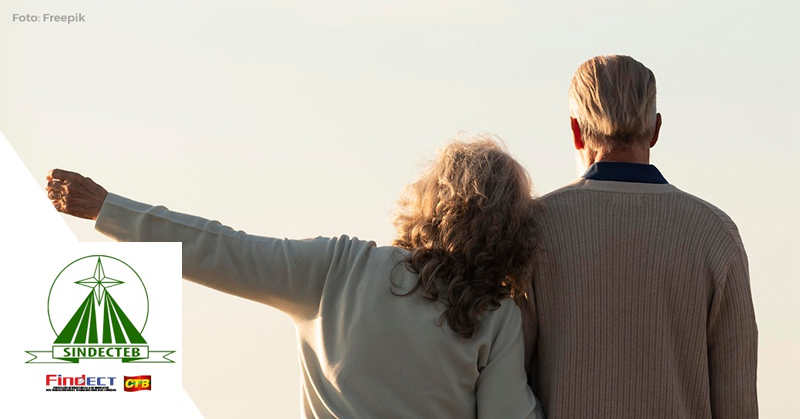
(468, 222)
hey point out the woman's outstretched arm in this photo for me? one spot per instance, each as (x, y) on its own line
(286, 274)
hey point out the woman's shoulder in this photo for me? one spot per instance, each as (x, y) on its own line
(505, 320)
(367, 246)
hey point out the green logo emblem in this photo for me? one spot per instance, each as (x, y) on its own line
(106, 322)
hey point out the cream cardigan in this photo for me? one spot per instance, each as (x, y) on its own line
(364, 352)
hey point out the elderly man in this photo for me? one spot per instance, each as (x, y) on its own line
(641, 304)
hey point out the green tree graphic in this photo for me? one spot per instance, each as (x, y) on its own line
(82, 327)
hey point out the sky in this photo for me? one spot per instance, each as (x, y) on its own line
(302, 119)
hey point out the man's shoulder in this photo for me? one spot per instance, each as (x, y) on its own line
(570, 187)
(583, 195)
(715, 212)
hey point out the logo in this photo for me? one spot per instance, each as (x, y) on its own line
(55, 382)
(104, 322)
(138, 383)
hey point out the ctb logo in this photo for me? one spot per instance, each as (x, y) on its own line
(138, 383)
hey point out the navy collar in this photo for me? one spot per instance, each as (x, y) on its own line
(624, 172)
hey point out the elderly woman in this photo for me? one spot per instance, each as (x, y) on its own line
(426, 328)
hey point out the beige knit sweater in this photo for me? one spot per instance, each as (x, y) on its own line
(641, 307)
(364, 352)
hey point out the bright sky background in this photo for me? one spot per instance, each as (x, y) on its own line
(304, 118)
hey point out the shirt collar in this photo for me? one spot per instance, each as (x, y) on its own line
(624, 172)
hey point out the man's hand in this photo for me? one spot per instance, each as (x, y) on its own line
(74, 194)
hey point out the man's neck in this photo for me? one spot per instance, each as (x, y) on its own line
(641, 156)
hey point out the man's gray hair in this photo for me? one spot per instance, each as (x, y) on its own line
(613, 97)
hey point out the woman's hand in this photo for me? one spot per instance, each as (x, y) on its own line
(74, 194)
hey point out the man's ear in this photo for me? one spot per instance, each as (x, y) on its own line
(654, 140)
(576, 133)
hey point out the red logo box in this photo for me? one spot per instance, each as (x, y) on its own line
(138, 383)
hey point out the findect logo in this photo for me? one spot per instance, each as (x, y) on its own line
(138, 383)
(56, 382)
(97, 324)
